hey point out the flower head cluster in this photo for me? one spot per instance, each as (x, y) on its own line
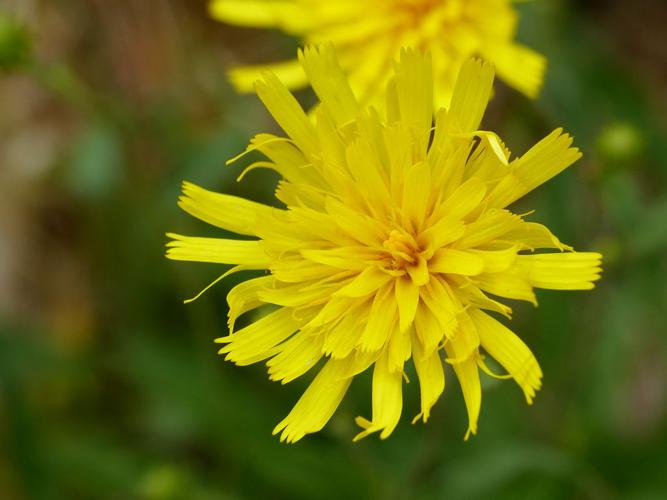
(394, 243)
(369, 34)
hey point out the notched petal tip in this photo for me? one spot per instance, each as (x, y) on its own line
(470, 432)
(471, 94)
(365, 424)
(421, 416)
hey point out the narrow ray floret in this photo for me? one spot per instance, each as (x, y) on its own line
(394, 244)
(369, 34)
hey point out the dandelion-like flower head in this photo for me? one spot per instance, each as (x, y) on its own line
(369, 34)
(395, 243)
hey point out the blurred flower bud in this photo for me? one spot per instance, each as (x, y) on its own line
(15, 43)
(620, 144)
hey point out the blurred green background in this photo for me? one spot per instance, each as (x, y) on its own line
(111, 388)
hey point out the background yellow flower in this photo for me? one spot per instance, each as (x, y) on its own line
(369, 34)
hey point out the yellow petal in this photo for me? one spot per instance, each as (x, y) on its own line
(285, 14)
(329, 82)
(296, 356)
(224, 211)
(519, 66)
(453, 165)
(414, 91)
(299, 195)
(287, 160)
(494, 147)
(443, 232)
(561, 271)
(369, 72)
(510, 351)
(428, 329)
(442, 139)
(407, 298)
(428, 365)
(442, 304)
(369, 176)
(465, 341)
(369, 127)
(381, 322)
(317, 404)
(467, 374)
(400, 156)
(489, 161)
(359, 226)
(417, 194)
(360, 361)
(333, 310)
(496, 261)
(343, 337)
(299, 270)
(298, 294)
(287, 112)
(419, 273)
(546, 159)
(532, 236)
(256, 341)
(399, 350)
(365, 283)
(511, 284)
(245, 296)
(493, 224)
(387, 401)
(471, 295)
(332, 149)
(217, 250)
(463, 200)
(471, 94)
(291, 73)
(353, 258)
(452, 261)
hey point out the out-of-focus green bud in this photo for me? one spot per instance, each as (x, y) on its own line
(15, 43)
(620, 144)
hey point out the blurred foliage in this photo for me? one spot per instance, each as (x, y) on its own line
(111, 388)
(14, 43)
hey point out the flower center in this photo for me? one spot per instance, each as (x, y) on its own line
(402, 248)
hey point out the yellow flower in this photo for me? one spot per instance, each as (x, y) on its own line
(394, 237)
(369, 34)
